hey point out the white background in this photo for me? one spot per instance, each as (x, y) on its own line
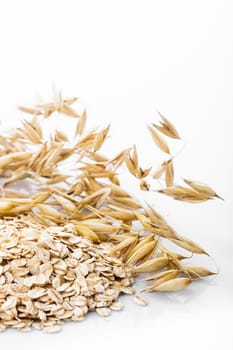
(125, 60)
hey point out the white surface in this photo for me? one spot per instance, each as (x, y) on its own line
(125, 59)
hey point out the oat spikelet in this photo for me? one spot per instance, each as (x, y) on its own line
(81, 123)
(202, 188)
(60, 136)
(158, 140)
(169, 173)
(164, 274)
(144, 186)
(141, 252)
(167, 128)
(18, 176)
(14, 157)
(198, 271)
(189, 245)
(125, 243)
(100, 138)
(173, 285)
(184, 194)
(151, 265)
(158, 281)
(48, 108)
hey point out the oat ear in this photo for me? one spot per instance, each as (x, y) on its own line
(72, 239)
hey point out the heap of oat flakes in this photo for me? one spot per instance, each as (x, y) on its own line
(71, 238)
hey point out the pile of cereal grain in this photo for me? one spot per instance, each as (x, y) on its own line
(71, 238)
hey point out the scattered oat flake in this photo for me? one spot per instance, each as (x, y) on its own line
(138, 299)
(127, 290)
(116, 306)
(52, 329)
(103, 311)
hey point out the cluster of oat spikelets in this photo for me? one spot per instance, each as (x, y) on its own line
(71, 242)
